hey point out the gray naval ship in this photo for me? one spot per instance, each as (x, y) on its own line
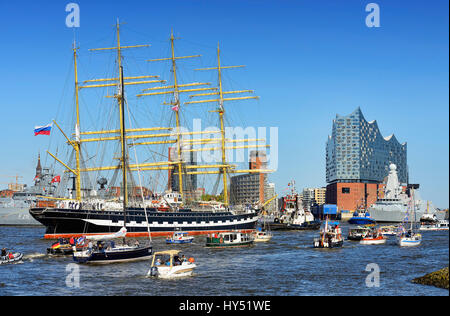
(14, 211)
(397, 205)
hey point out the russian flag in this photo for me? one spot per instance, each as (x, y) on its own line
(43, 130)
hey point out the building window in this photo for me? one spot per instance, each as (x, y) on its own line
(345, 190)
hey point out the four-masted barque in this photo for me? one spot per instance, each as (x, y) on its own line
(84, 214)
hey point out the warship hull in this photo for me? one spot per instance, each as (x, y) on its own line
(17, 216)
(67, 223)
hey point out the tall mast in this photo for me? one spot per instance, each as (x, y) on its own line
(123, 145)
(221, 110)
(176, 104)
(177, 117)
(77, 143)
(121, 101)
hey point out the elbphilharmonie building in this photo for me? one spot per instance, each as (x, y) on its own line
(357, 153)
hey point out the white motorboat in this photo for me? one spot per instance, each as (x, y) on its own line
(179, 237)
(389, 231)
(262, 236)
(168, 265)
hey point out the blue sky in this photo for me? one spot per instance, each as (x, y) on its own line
(307, 60)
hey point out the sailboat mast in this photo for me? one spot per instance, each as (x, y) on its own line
(121, 99)
(222, 129)
(77, 143)
(123, 142)
(176, 105)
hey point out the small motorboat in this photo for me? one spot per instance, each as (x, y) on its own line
(330, 236)
(439, 225)
(10, 257)
(389, 231)
(229, 240)
(179, 238)
(262, 236)
(168, 265)
(361, 218)
(375, 237)
(63, 247)
(358, 233)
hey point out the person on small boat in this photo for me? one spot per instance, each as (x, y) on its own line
(136, 243)
(158, 262)
(71, 241)
(183, 258)
(4, 252)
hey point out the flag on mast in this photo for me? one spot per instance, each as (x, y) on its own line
(43, 130)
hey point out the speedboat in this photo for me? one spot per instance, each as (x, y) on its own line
(10, 257)
(375, 237)
(330, 236)
(179, 238)
(168, 265)
(229, 240)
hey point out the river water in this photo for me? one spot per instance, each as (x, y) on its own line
(285, 266)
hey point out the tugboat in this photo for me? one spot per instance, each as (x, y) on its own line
(169, 265)
(292, 215)
(361, 217)
(10, 257)
(229, 240)
(179, 238)
(330, 236)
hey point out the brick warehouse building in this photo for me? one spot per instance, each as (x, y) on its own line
(357, 161)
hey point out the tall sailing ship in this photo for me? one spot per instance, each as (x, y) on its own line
(86, 211)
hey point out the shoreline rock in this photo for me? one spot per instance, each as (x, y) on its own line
(438, 278)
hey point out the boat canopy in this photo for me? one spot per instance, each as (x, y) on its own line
(167, 252)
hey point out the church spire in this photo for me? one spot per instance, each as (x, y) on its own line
(38, 168)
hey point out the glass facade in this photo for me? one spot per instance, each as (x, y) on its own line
(357, 152)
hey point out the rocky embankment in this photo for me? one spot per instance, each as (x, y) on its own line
(438, 278)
